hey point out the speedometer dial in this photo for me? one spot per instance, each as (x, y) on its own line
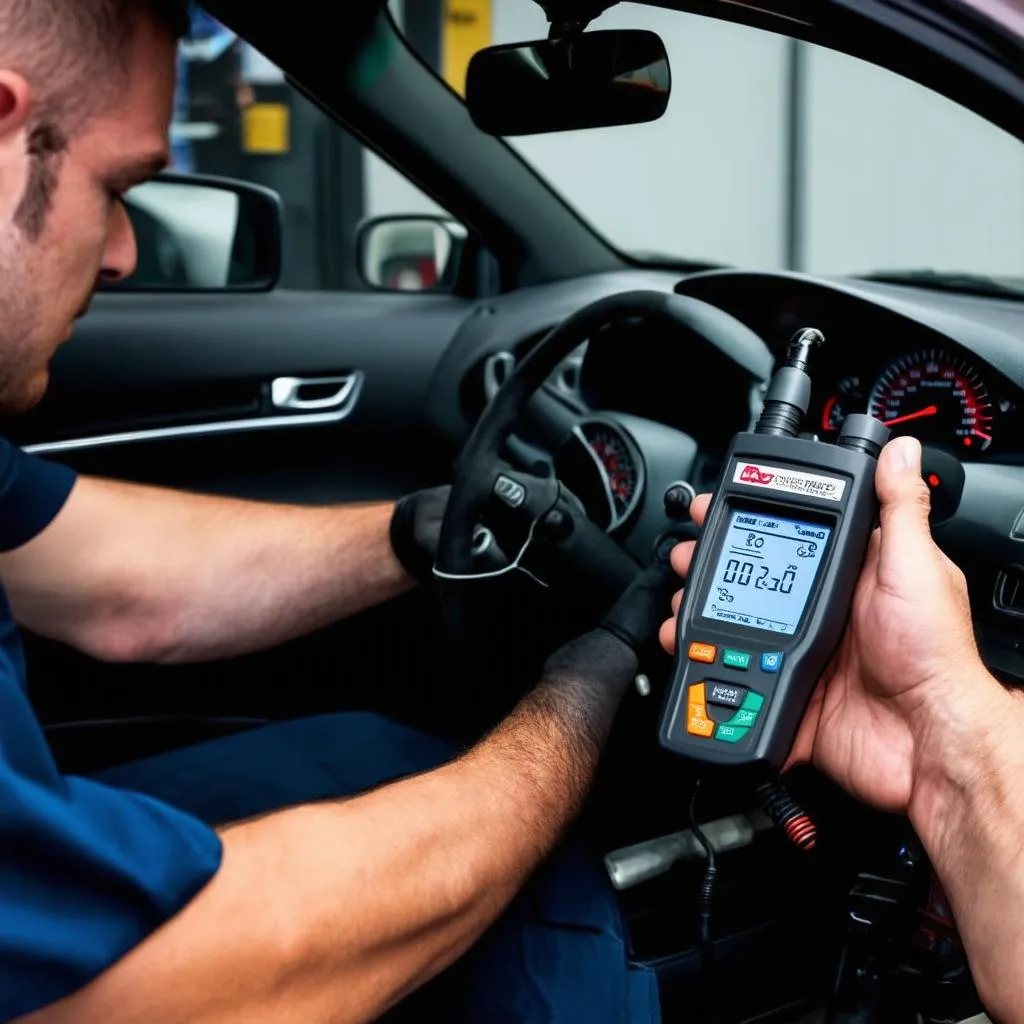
(937, 397)
(621, 467)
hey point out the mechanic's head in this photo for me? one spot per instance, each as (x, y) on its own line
(86, 94)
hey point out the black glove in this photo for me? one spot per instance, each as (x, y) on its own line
(637, 615)
(610, 654)
(416, 529)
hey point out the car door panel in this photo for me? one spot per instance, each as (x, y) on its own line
(176, 390)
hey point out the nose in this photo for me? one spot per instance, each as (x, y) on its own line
(121, 255)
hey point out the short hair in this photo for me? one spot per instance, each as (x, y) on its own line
(70, 50)
(75, 55)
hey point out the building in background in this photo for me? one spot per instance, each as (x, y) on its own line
(207, 43)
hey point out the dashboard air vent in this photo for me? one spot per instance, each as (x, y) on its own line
(497, 369)
(565, 380)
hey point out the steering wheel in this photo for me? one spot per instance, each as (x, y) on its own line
(537, 522)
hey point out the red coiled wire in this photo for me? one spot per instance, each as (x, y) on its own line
(788, 815)
(801, 832)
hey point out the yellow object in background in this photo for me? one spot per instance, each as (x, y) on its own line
(266, 128)
(467, 28)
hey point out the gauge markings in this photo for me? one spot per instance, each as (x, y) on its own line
(848, 397)
(938, 397)
(622, 468)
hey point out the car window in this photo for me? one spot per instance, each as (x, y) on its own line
(236, 116)
(773, 154)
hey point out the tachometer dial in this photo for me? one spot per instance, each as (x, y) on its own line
(937, 397)
(848, 397)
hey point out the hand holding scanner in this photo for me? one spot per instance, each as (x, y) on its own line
(772, 578)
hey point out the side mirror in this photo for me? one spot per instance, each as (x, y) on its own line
(198, 233)
(587, 80)
(410, 253)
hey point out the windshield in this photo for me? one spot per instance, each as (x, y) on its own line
(776, 155)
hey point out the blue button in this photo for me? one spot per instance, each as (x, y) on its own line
(771, 662)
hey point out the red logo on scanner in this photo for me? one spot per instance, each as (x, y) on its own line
(753, 475)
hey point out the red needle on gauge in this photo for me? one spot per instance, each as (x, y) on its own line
(931, 410)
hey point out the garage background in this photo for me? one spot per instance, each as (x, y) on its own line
(773, 154)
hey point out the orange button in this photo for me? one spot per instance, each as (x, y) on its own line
(703, 652)
(698, 723)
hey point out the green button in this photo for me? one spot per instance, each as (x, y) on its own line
(744, 718)
(736, 659)
(730, 734)
(752, 702)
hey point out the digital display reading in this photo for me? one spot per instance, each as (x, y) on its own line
(765, 571)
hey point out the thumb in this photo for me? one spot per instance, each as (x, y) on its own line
(905, 503)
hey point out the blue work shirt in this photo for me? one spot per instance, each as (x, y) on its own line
(86, 871)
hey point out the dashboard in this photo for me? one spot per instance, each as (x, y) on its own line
(933, 393)
(933, 384)
(945, 367)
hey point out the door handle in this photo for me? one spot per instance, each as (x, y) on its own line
(287, 392)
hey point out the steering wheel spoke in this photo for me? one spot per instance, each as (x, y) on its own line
(550, 420)
(559, 539)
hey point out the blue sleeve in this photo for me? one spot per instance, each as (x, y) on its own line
(87, 871)
(32, 492)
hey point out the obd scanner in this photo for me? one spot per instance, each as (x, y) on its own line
(772, 578)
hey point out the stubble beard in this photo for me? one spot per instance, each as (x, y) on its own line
(23, 367)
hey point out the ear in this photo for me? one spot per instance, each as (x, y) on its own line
(15, 104)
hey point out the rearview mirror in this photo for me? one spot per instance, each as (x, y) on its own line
(589, 80)
(410, 253)
(198, 233)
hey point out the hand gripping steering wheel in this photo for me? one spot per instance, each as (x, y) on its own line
(544, 529)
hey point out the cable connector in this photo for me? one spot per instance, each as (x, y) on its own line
(705, 900)
(789, 393)
(788, 815)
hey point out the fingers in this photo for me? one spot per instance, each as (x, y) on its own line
(682, 556)
(699, 508)
(667, 633)
(667, 636)
(905, 504)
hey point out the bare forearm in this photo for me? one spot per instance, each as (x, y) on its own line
(968, 809)
(278, 573)
(137, 573)
(336, 911)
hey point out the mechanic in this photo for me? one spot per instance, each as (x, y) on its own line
(909, 720)
(119, 904)
(118, 900)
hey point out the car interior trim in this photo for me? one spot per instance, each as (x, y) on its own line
(192, 430)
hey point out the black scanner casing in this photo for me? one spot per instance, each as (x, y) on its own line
(807, 652)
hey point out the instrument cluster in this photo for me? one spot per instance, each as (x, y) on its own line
(934, 394)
